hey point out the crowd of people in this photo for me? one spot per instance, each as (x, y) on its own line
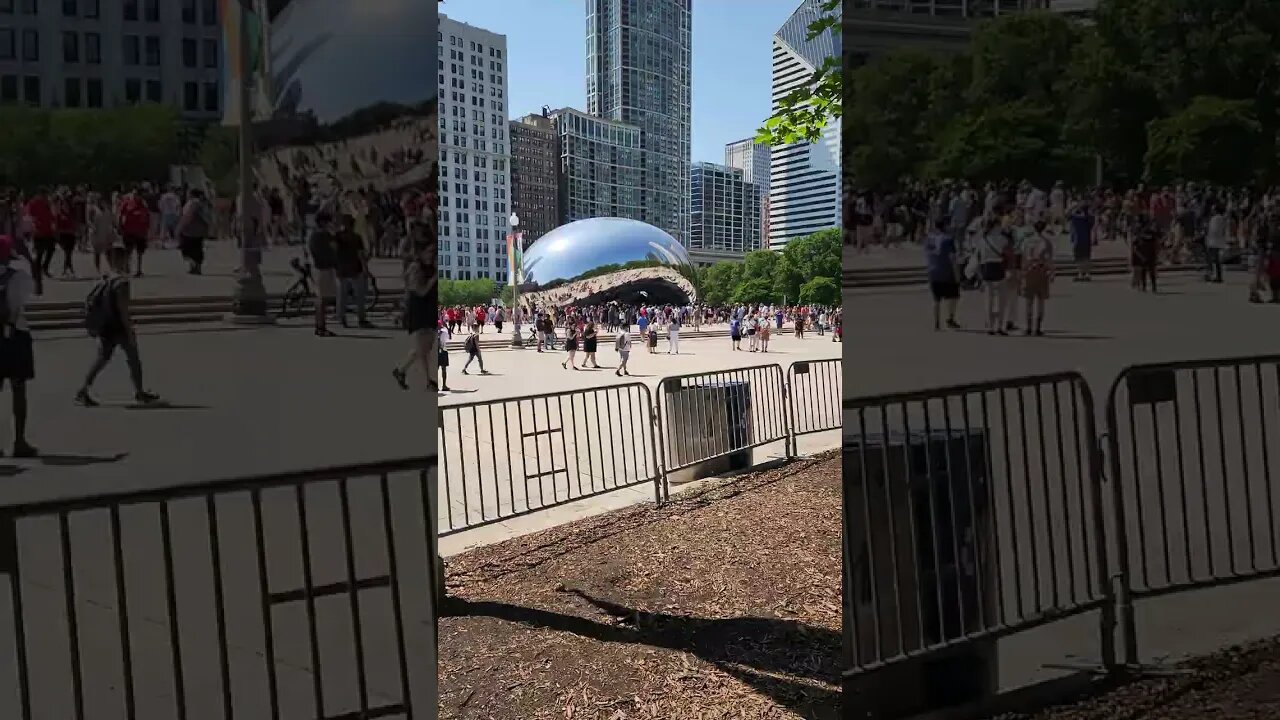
(582, 327)
(1004, 237)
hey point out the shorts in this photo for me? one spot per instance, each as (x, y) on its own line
(1083, 251)
(170, 224)
(624, 354)
(944, 289)
(442, 359)
(326, 283)
(1035, 286)
(17, 356)
(135, 243)
(992, 271)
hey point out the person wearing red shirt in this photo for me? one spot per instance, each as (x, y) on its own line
(43, 231)
(135, 225)
(480, 316)
(64, 220)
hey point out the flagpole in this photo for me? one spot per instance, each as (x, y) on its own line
(249, 303)
(513, 272)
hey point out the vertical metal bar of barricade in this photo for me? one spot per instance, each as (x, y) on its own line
(1107, 611)
(789, 409)
(10, 566)
(1119, 585)
(657, 439)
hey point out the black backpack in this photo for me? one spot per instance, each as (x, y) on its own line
(98, 308)
(472, 344)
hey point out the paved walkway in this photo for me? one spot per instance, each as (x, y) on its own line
(1097, 329)
(165, 274)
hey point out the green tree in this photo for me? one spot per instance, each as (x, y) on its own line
(1204, 142)
(820, 291)
(219, 157)
(719, 282)
(804, 112)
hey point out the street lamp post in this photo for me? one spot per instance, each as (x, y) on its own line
(514, 273)
(249, 304)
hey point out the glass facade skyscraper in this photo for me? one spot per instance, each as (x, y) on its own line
(639, 55)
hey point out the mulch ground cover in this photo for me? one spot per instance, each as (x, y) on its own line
(1240, 683)
(724, 603)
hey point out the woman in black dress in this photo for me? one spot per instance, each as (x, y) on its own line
(419, 315)
(589, 339)
(570, 345)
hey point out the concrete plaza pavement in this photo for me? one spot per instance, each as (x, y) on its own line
(1098, 329)
(504, 456)
(240, 402)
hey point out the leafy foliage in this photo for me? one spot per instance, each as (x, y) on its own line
(1162, 90)
(804, 112)
(765, 276)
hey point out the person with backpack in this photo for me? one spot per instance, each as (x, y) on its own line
(107, 318)
(472, 346)
(134, 219)
(17, 356)
(419, 283)
(193, 230)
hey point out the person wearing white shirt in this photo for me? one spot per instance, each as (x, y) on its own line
(442, 356)
(17, 356)
(1215, 242)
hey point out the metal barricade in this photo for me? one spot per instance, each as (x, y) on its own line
(507, 458)
(305, 594)
(815, 389)
(1189, 460)
(971, 512)
(711, 415)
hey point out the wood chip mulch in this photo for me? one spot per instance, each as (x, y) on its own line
(723, 604)
(1239, 683)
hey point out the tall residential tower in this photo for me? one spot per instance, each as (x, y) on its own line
(638, 72)
(752, 158)
(804, 178)
(474, 153)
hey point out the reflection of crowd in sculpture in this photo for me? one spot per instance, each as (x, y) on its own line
(575, 292)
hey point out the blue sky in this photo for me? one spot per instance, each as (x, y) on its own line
(732, 50)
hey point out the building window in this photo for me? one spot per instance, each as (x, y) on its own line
(30, 45)
(153, 50)
(211, 97)
(31, 90)
(8, 51)
(8, 89)
(71, 94)
(189, 12)
(131, 10)
(190, 97)
(94, 93)
(132, 51)
(189, 52)
(69, 8)
(152, 8)
(70, 47)
(93, 48)
(211, 53)
(91, 9)
(133, 90)
(210, 12)
(154, 93)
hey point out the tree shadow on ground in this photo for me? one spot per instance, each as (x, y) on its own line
(794, 664)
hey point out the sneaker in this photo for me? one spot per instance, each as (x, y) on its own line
(84, 399)
(401, 378)
(145, 398)
(950, 323)
(24, 449)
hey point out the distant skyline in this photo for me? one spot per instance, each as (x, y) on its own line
(732, 51)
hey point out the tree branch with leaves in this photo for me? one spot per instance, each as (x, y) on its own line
(804, 113)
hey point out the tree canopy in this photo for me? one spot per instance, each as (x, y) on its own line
(804, 112)
(765, 276)
(1160, 90)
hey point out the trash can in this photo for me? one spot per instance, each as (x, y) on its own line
(708, 427)
(920, 565)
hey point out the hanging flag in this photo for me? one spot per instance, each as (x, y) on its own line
(517, 272)
(230, 14)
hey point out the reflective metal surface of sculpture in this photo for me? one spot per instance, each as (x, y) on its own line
(602, 260)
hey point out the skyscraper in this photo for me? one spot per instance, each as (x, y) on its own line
(804, 178)
(638, 72)
(725, 214)
(752, 158)
(535, 163)
(474, 155)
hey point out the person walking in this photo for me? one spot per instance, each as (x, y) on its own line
(102, 229)
(765, 332)
(1215, 243)
(673, 333)
(324, 260)
(1081, 224)
(17, 352)
(418, 321)
(622, 343)
(442, 356)
(472, 346)
(352, 266)
(1037, 276)
(735, 332)
(992, 265)
(192, 229)
(943, 271)
(590, 339)
(570, 346)
(108, 318)
(134, 220)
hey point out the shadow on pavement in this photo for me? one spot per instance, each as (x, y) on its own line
(56, 460)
